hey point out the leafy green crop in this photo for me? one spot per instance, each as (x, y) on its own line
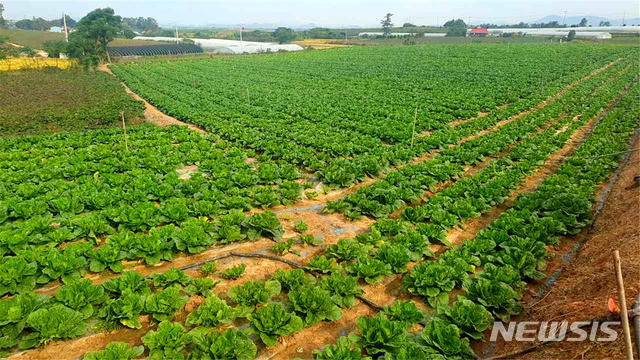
(272, 321)
(81, 296)
(380, 335)
(201, 286)
(164, 304)
(234, 272)
(469, 317)
(56, 322)
(343, 289)
(445, 337)
(252, 293)
(315, 304)
(124, 310)
(404, 311)
(211, 313)
(167, 342)
(293, 279)
(227, 345)
(369, 269)
(116, 351)
(17, 276)
(171, 277)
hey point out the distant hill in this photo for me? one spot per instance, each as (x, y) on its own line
(592, 20)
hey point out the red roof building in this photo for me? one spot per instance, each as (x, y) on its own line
(477, 32)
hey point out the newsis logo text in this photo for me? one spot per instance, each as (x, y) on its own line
(555, 331)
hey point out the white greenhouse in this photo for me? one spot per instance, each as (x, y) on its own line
(222, 46)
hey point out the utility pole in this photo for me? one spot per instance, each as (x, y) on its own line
(66, 32)
(177, 40)
(564, 18)
(241, 30)
(623, 16)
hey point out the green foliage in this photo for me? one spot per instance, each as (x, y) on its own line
(322, 264)
(234, 272)
(272, 321)
(124, 310)
(379, 334)
(227, 345)
(343, 289)
(116, 350)
(404, 311)
(265, 224)
(56, 322)
(17, 276)
(309, 239)
(346, 249)
(208, 268)
(201, 286)
(252, 293)
(344, 349)
(315, 304)
(495, 296)
(445, 337)
(293, 279)
(471, 318)
(369, 269)
(434, 279)
(395, 256)
(170, 277)
(81, 296)
(128, 282)
(284, 247)
(164, 304)
(211, 313)
(167, 342)
(300, 226)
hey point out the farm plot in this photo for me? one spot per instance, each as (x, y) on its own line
(348, 114)
(50, 100)
(173, 231)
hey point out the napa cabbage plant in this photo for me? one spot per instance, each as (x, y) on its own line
(116, 350)
(230, 344)
(167, 342)
(81, 296)
(314, 303)
(272, 321)
(211, 313)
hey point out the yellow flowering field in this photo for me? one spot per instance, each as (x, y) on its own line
(33, 63)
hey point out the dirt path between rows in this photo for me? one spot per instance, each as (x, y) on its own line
(151, 113)
(585, 281)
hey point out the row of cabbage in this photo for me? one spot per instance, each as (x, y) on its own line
(304, 130)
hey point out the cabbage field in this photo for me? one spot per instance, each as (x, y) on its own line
(383, 202)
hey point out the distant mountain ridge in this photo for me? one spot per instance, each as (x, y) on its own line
(592, 20)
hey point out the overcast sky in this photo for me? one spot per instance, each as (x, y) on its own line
(325, 12)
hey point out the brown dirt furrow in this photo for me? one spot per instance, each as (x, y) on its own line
(151, 113)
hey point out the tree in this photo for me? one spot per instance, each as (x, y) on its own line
(604, 23)
(3, 22)
(583, 22)
(386, 24)
(54, 48)
(284, 35)
(70, 22)
(571, 35)
(455, 23)
(408, 24)
(100, 26)
(455, 27)
(142, 25)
